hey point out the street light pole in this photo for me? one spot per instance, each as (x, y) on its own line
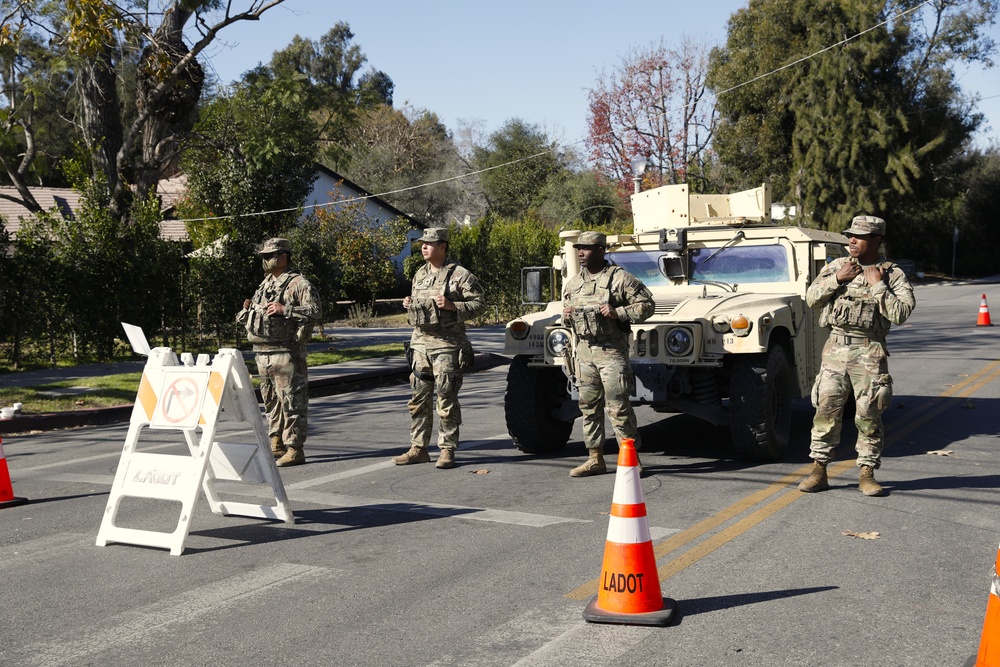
(954, 246)
(638, 167)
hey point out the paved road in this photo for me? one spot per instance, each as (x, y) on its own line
(491, 563)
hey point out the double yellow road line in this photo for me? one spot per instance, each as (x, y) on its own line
(924, 413)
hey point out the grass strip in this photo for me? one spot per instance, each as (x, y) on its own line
(120, 388)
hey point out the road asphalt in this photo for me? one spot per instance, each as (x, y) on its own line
(323, 380)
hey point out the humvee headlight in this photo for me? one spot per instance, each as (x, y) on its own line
(679, 342)
(557, 341)
(741, 325)
(519, 329)
(720, 323)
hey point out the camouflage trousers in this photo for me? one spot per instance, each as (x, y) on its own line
(435, 370)
(861, 370)
(606, 382)
(284, 386)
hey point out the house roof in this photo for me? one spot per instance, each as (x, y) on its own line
(67, 201)
(63, 200)
(170, 190)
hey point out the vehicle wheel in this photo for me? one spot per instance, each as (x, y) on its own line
(760, 405)
(533, 396)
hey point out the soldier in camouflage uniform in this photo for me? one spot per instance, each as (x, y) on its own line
(279, 321)
(444, 296)
(861, 296)
(598, 304)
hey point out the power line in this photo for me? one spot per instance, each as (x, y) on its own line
(550, 151)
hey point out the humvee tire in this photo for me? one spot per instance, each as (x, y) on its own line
(533, 394)
(760, 405)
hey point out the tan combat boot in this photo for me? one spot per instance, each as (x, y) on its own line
(413, 455)
(867, 483)
(446, 459)
(277, 446)
(816, 481)
(293, 457)
(594, 465)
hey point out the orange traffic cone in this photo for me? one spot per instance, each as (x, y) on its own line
(7, 497)
(984, 314)
(989, 647)
(629, 592)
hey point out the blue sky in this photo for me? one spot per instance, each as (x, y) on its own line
(492, 61)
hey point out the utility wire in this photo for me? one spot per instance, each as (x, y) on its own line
(547, 152)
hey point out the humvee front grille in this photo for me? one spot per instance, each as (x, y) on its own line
(666, 307)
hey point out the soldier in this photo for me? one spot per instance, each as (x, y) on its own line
(598, 304)
(444, 296)
(279, 321)
(861, 296)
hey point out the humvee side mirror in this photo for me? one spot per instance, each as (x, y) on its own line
(533, 280)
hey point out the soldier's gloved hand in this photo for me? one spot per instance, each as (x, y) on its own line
(883, 392)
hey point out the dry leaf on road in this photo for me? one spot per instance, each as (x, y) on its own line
(942, 452)
(481, 471)
(863, 536)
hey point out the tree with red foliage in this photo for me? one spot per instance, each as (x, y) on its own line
(654, 105)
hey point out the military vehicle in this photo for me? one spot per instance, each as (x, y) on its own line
(731, 341)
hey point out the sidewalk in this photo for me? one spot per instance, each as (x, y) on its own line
(323, 380)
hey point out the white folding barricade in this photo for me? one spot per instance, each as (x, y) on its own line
(187, 397)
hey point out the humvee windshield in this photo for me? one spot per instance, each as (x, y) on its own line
(740, 264)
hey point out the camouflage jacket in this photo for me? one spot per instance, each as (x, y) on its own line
(437, 329)
(632, 301)
(858, 308)
(288, 333)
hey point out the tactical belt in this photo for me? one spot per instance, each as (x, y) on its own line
(850, 340)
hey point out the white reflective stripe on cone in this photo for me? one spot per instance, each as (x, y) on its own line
(628, 487)
(628, 531)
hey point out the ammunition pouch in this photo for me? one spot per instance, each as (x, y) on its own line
(274, 330)
(856, 313)
(424, 313)
(589, 323)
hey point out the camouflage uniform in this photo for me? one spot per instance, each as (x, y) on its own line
(280, 346)
(440, 349)
(600, 353)
(855, 358)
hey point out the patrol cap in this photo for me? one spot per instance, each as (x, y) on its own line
(864, 225)
(434, 235)
(591, 239)
(275, 245)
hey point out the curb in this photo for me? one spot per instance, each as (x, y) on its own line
(329, 386)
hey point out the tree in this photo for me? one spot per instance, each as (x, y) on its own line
(256, 152)
(584, 196)
(860, 127)
(655, 105)
(497, 249)
(126, 273)
(518, 160)
(131, 133)
(336, 90)
(361, 247)
(400, 152)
